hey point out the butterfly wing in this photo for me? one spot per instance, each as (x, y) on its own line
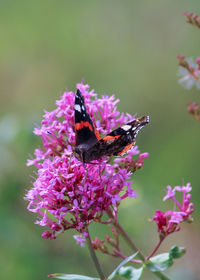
(123, 138)
(118, 142)
(89, 145)
(86, 132)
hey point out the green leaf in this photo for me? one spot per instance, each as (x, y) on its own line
(115, 272)
(160, 262)
(163, 261)
(177, 252)
(131, 273)
(71, 276)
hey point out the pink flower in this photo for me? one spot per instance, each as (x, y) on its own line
(168, 222)
(192, 19)
(198, 61)
(129, 162)
(189, 72)
(65, 194)
(80, 240)
(193, 109)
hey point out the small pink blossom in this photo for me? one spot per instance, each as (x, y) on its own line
(65, 193)
(170, 193)
(48, 235)
(129, 162)
(80, 239)
(100, 245)
(192, 19)
(168, 222)
(193, 109)
(198, 61)
(189, 72)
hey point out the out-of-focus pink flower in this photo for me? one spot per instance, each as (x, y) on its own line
(193, 109)
(80, 239)
(193, 19)
(189, 71)
(48, 235)
(198, 62)
(168, 222)
(65, 194)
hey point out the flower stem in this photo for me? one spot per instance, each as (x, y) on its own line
(156, 248)
(125, 235)
(194, 76)
(159, 274)
(94, 257)
(129, 240)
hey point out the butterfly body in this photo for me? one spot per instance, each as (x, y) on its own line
(90, 146)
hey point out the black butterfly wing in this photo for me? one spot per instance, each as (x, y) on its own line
(118, 142)
(86, 132)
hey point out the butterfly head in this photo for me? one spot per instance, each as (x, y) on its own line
(80, 152)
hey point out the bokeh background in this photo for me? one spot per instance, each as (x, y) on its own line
(127, 48)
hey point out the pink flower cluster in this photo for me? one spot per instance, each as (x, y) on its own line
(168, 222)
(65, 194)
(193, 19)
(129, 162)
(189, 71)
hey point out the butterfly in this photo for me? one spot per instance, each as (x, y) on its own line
(89, 144)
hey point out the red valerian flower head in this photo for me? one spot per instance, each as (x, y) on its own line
(168, 222)
(66, 194)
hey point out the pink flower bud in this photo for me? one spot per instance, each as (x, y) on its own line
(143, 156)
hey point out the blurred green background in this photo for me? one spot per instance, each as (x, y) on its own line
(123, 47)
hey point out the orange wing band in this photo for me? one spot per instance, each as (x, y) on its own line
(97, 134)
(82, 125)
(109, 137)
(128, 147)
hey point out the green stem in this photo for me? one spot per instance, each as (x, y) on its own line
(129, 240)
(156, 248)
(94, 257)
(159, 274)
(125, 235)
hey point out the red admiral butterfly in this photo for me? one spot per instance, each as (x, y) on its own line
(90, 146)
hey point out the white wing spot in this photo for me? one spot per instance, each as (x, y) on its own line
(77, 107)
(137, 130)
(83, 108)
(126, 127)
